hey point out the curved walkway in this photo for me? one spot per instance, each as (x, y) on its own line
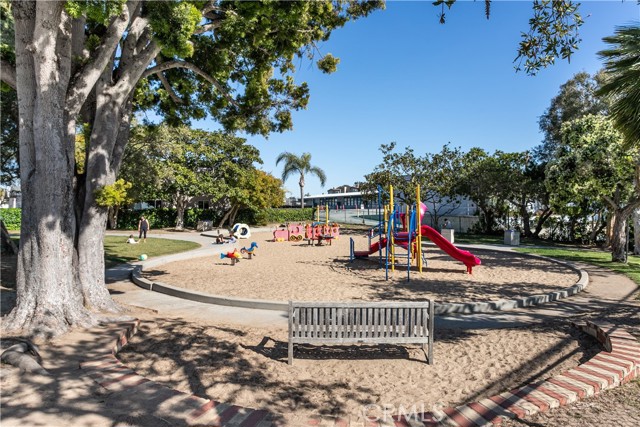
(70, 396)
(599, 294)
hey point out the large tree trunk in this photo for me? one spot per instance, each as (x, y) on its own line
(619, 239)
(234, 213)
(546, 214)
(619, 232)
(47, 299)
(526, 217)
(109, 132)
(181, 204)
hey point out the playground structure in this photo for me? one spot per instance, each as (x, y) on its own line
(241, 231)
(314, 231)
(290, 233)
(234, 256)
(251, 251)
(405, 229)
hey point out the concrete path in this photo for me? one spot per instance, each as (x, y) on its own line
(70, 397)
(606, 290)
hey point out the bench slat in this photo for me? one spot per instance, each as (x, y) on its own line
(349, 323)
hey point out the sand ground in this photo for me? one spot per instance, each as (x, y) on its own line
(298, 271)
(247, 366)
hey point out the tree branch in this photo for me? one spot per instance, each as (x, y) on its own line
(86, 77)
(208, 27)
(135, 31)
(8, 73)
(169, 89)
(189, 66)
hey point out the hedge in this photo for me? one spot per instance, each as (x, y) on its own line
(166, 217)
(11, 218)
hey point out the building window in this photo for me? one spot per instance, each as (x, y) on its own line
(203, 204)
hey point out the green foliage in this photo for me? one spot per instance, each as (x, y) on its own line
(114, 194)
(178, 164)
(164, 217)
(483, 181)
(622, 81)
(246, 54)
(328, 64)
(9, 143)
(7, 40)
(95, 10)
(287, 215)
(436, 173)
(591, 163)
(553, 33)
(11, 217)
(173, 24)
(300, 165)
(575, 99)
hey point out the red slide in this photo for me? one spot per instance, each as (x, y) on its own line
(466, 257)
(375, 247)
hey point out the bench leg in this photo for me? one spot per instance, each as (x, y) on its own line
(290, 353)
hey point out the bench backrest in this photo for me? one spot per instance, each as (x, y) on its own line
(376, 322)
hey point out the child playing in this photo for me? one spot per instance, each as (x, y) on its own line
(221, 239)
(131, 240)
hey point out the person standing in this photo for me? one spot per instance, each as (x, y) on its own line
(143, 227)
(447, 224)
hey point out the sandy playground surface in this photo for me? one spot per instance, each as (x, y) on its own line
(298, 271)
(248, 366)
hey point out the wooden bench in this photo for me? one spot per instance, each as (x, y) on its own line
(367, 323)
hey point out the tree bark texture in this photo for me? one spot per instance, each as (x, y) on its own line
(619, 239)
(47, 299)
(181, 205)
(60, 275)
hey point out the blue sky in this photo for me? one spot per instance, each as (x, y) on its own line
(404, 77)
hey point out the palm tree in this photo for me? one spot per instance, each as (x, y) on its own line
(622, 81)
(300, 164)
(622, 86)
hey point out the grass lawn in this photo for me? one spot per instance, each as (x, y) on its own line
(483, 239)
(595, 257)
(117, 251)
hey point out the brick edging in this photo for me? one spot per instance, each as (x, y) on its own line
(116, 377)
(616, 364)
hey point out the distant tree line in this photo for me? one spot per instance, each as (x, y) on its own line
(581, 184)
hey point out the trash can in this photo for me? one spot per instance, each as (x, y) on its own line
(512, 237)
(448, 233)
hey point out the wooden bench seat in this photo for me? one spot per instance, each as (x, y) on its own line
(366, 323)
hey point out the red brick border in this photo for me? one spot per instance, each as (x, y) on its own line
(114, 376)
(618, 363)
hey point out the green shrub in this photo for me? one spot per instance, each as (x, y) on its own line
(166, 217)
(11, 217)
(287, 215)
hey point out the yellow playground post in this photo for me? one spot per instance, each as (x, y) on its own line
(419, 230)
